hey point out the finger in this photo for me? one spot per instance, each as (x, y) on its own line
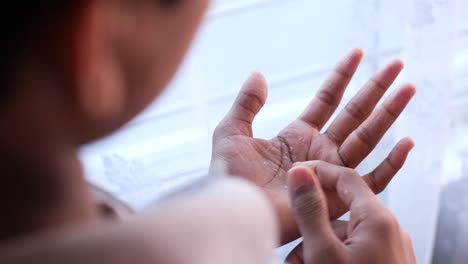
(346, 182)
(364, 139)
(365, 209)
(329, 96)
(362, 105)
(296, 256)
(248, 103)
(309, 203)
(341, 229)
(381, 176)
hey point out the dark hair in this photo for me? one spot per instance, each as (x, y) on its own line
(24, 25)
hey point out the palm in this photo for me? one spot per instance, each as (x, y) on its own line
(348, 140)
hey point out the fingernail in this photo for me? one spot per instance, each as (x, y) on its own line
(300, 180)
(295, 164)
(299, 163)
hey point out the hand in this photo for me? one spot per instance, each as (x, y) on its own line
(347, 141)
(225, 221)
(372, 235)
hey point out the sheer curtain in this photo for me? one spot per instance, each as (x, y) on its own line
(430, 52)
(295, 43)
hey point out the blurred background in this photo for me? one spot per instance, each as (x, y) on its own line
(295, 44)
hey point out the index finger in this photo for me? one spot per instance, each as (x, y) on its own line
(348, 184)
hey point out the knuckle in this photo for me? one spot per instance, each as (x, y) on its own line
(349, 175)
(392, 164)
(333, 136)
(385, 222)
(327, 98)
(251, 102)
(371, 181)
(308, 205)
(390, 112)
(343, 74)
(379, 85)
(343, 158)
(365, 136)
(355, 111)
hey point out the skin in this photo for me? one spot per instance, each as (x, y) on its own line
(349, 139)
(372, 234)
(111, 59)
(114, 58)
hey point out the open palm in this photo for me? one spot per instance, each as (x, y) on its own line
(346, 142)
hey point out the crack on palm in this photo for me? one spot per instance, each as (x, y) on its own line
(285, 153)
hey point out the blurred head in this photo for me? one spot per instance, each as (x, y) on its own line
(91, 65)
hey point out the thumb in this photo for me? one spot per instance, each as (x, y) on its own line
(248, 103)
(310, 206)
